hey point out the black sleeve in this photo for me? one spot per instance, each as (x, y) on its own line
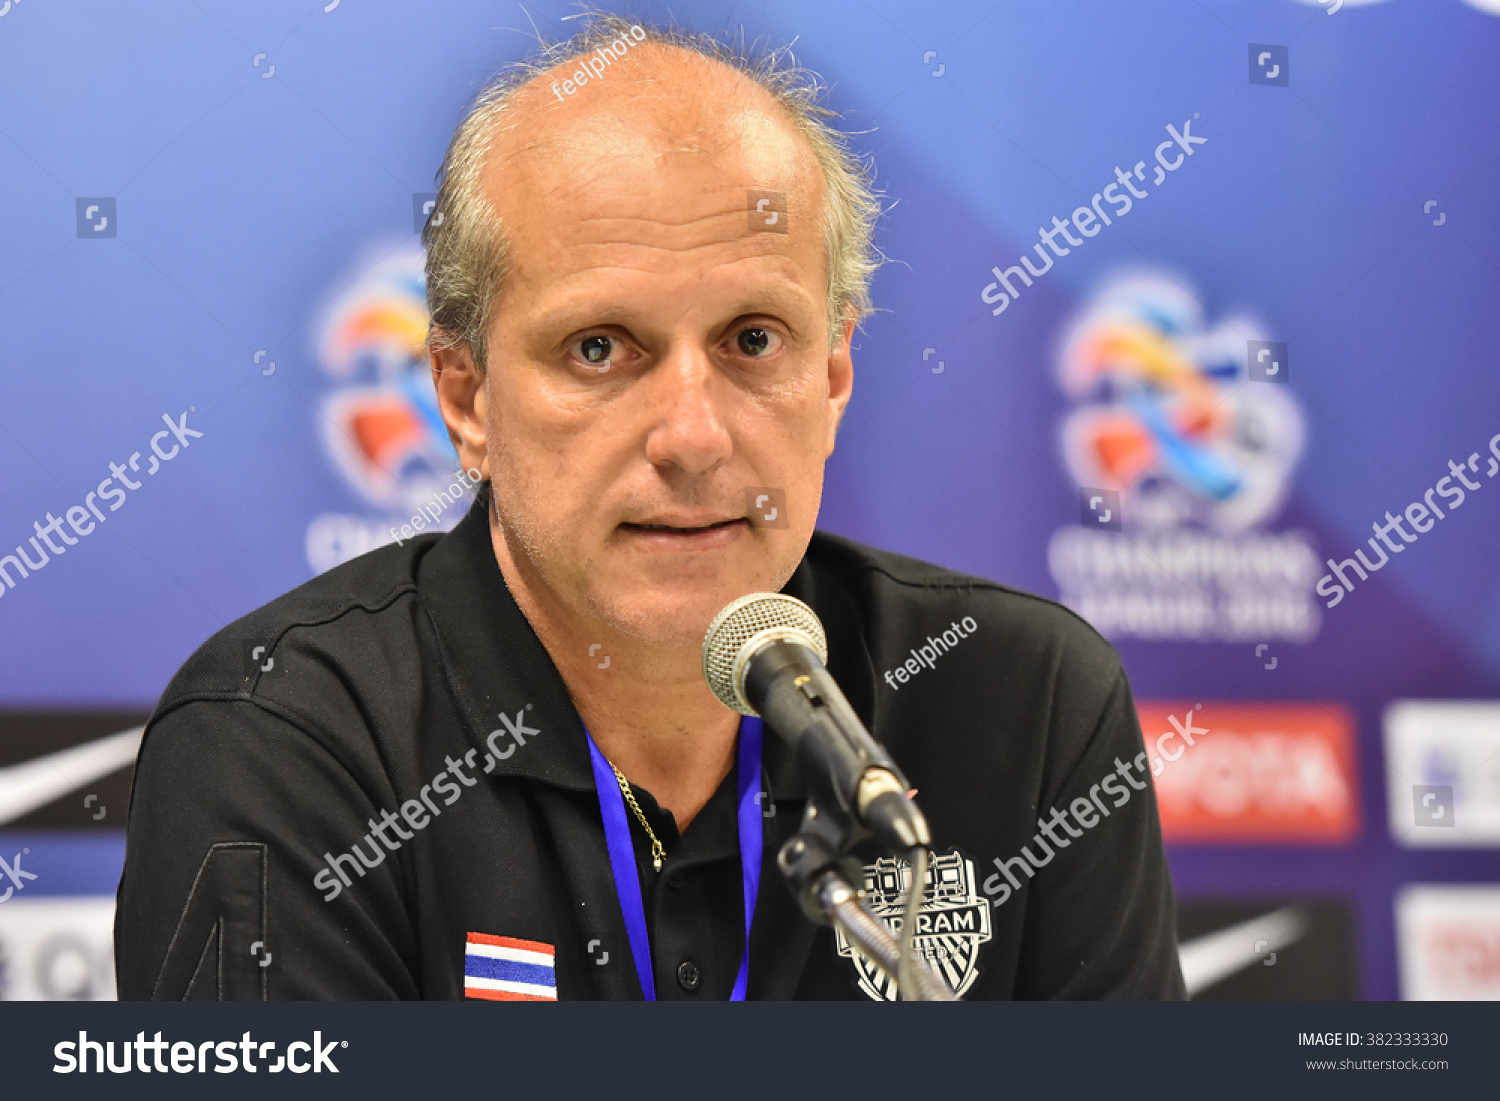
(1104, 923)
(232, 811)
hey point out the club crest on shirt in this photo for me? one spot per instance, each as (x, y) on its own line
(953, 922)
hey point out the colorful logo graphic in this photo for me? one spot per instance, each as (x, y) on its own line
(1180, 452)
(1168, 415)
(382, 424)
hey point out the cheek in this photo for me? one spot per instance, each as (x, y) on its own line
(550, 470)
(796, 412)
(806, 439)
(787, 439)
(519, 468)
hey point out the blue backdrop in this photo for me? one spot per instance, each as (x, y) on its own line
(208, 213)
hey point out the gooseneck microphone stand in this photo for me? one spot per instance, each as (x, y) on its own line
(816, 864)
(764, 655)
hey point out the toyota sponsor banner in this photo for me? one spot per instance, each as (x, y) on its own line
(1256, 772)
(1450, 942)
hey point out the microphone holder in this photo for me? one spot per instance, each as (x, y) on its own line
(822, 875)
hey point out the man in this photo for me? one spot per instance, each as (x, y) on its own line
(424, 796)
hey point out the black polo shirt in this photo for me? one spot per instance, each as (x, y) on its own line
(377, 786)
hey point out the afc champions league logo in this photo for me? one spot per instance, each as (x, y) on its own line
(381, 422)
(953, 922)
(1168, 412)
(1189, 432)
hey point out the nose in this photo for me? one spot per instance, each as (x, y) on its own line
(688, 395)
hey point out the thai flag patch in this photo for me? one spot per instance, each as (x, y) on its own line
(505, 969)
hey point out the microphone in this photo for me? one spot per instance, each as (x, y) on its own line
(763, 655)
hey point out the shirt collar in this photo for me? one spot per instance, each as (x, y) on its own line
(503, 676)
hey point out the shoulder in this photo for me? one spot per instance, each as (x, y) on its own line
(896, 594)
(967, 654)
(313, 633)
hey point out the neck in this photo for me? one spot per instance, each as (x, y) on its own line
(649, 711)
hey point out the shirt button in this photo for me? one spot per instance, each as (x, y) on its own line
(674, 880)
(688, 975)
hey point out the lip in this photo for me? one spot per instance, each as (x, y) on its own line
(720, 534)
(687, 519)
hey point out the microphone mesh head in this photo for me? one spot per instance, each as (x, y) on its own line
(745, 626)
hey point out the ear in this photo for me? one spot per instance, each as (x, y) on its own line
(463, 402)
(840, 379)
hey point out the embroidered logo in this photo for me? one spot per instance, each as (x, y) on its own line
(953, 922)
(505, 969)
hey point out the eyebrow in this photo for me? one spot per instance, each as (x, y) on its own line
(776, 298)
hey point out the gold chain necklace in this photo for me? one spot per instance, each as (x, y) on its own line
(658, 854)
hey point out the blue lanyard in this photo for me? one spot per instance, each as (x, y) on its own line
(622, 852)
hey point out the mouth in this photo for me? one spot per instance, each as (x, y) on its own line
(664, 538)
(678, 529)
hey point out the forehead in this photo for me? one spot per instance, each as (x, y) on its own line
(650, 165)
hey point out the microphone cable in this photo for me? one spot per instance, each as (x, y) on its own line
(906, 967)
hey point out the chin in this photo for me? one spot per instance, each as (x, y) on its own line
(667, 617)
(674, 606)
(664, 623)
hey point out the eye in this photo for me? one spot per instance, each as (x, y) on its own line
(756, 341)
(597, 351)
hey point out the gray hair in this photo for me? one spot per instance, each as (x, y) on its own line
(467, 251)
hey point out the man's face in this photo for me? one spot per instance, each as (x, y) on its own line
(653, 358)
